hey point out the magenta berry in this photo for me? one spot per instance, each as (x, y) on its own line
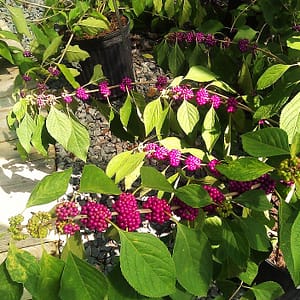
(82, 94)
(128, 217)
(66, 210)
(243, 45)
(53, 71)
(67, 98)
(212, 167)
(174, 157)
(71, 228)
(27, 53)
(182, 93)
(202, 96)
(161, 153)
(193, 163)
(126, 84)
(216, 196)
(96, 216)
(215, 101)
(150, 149)
(161, 82)
(103, 89)
(26, 77)
(160, 210)
(231, 105)
(185, 211)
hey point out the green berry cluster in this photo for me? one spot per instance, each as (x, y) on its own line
(15, 227)
(39, 224)
(289, 169)
(225, 209)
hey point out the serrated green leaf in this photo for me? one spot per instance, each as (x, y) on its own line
(25, 131)
(59, 125)
(37, 136)
(75, 246)
(19, 20)
(200, 74)
(9, 289)
(244, 169)
(249, 275)
(171, 143)
(293, 42)
(79, 140)
(75, 54)
(115, 163)
(20, 108)
(271, 75)
(267, 290)
(138, 6)
(92, 25)
(290, 117)
(94, 180)
(157, 5)
(152, 114)
(245, 32)
(50, 188)
(295, 243)
(130, 165)
(23, 268)
(186, 12)
(146, 264)
(5, 52)
(41, 38)
(67, 72)
(187, 116)
(255, 199)
(193, 195)
(266, 142)
(97, 74)
(125, 111)
(151, 178)
(211, 129)
(176, 60)
(52, 48)
(169, 7)
(194, 272)
(256, 233)
(49, 280)
(295, 147)
(80, 280)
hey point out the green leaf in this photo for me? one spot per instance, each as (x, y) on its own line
(151, 178)
(186, 12)
(5, 53)
(157, 5)
(19, 20)
(59, 125)
(245, 32)
(211, 129)
(68, 75)
(193, 195)
(80, 280)
(271, 75)
(146, 264)
(169, 8)
(20, 108)
(245, 80)
(97, 74)
(75, 54)
(130, 165)
(244, 169)
(23, 267)
(295, 243)
(37, 136)
(152, 114)
(176, 60)
(50, 188)
(295, 147)
(188, 116)
(115, 163)
(200, 74)
(249, 275)
(52, 48)
(293, 42)
(41, 38)
(267, 290)
(290, 117)
(49, 281)
(266, 142)
(125, 111)
(93, 26)
(9, 289)
(193, 260)
(75, 246)
(79, 140)
(25, 131)
(254, 199)
(171, 143)
(94, 180)
(138, 6)
(256, 234)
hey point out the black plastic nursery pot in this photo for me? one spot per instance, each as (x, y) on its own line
(113, 52)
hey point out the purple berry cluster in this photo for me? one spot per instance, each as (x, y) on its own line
(103, 89)
(97, 216)
(193, 163)
(182, 92)
(184, 211)
(65, 212)
(126, 84)
(211, 166)
(216, 196)
(82, 94)
(296, 27)
(128, 217)
(161, 82)
(266, 183)
(245, 46)
(53, 71)
(160, 210)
